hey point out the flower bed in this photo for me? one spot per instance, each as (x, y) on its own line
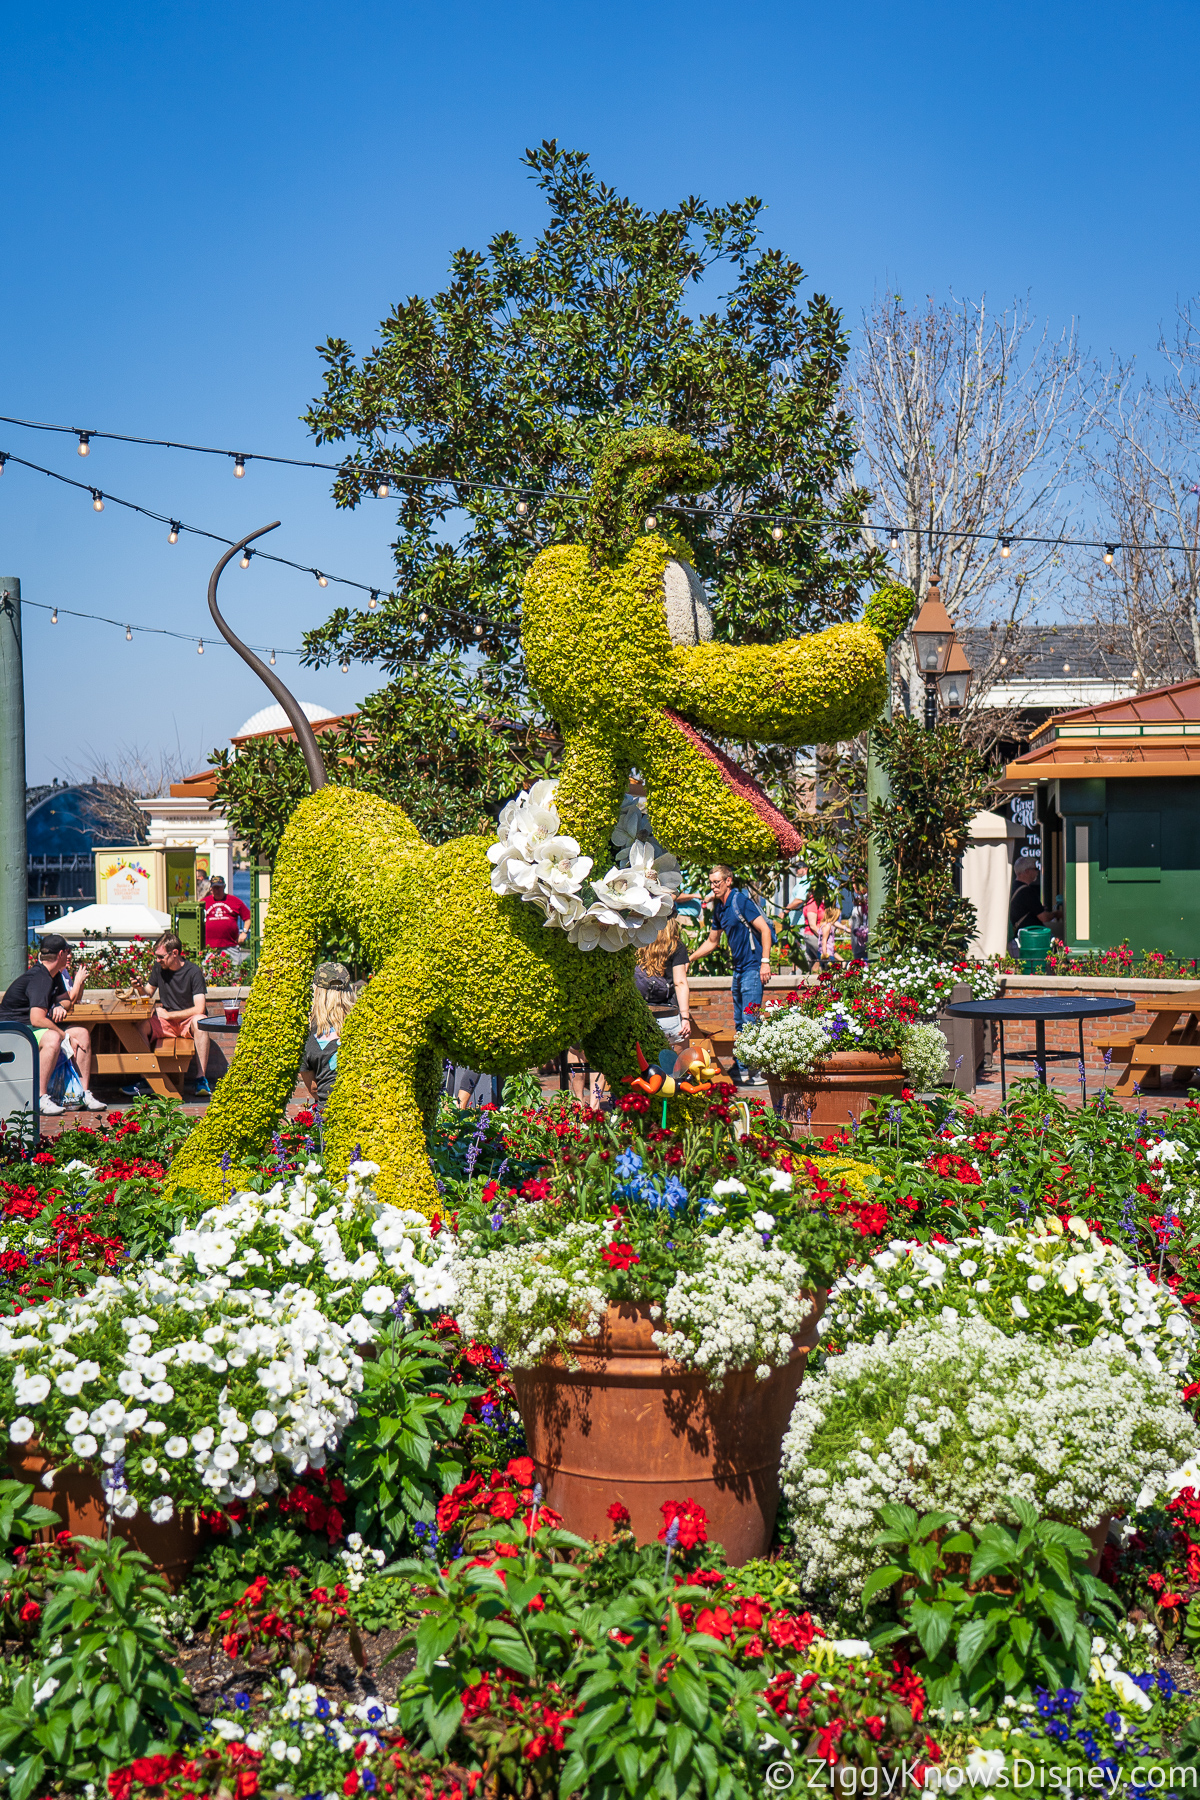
(956, 1413)
(845, 1010)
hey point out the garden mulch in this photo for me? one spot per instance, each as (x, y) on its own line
(214, 1679)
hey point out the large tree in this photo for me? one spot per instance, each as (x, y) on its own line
(486, 405)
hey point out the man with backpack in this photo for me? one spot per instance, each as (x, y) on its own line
(749, 936)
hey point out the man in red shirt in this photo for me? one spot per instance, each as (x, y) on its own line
(226, 919)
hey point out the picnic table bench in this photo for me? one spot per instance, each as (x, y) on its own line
(1171, 1040)
(118, 1047)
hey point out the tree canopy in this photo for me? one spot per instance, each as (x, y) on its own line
(486, 407)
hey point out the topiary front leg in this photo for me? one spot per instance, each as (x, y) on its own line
(612, 1047)
(384, 1087)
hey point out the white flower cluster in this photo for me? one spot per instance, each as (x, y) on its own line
(204, 1374)
(959, 1415)
(1061, 1284)
(931, 982)
(301, 1715)
(532, 860)
(356, 1558)
(1177, 1167)
(340, 1236)
(745, 1305)
(526, 1298)
(198, 1411)
(785, 1041)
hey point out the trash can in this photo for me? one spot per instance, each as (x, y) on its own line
(1034, 942)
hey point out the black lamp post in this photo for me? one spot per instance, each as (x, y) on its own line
(940, 657)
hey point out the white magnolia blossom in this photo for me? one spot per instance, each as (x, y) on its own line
(234, 1357)
(533, 860)
(958, 1415)
(1115, 1302)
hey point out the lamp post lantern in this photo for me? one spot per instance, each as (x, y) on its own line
(940, 657)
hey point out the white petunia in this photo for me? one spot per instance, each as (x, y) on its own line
(68, 1382)
(176, 1446)
(162, 1508)
(21, 1429)
(84, 1445)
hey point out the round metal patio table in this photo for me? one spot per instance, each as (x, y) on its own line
(1040, 1010)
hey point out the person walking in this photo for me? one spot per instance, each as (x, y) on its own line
(182, 1000)
(661, 974)
(333, 997)
(41, 999)
(748, 935)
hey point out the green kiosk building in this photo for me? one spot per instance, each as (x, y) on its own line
(1118, 802)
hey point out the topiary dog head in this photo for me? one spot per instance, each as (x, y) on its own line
(618, 644)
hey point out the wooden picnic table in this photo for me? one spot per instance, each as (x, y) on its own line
(118, 1047)
(1172, 1039)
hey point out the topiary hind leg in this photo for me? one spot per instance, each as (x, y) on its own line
(385, 1073)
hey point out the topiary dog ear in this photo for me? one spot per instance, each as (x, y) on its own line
(888, 611)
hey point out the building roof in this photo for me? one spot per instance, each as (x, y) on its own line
(272, 718)
(1153, 733)
(318, 718)
(1032, 667)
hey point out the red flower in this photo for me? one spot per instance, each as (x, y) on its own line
(504, 1506)
(521, 1470)
(874, 1725)
(350, 1785)
(620, 1256)
(716, 1622)
(447, 1513)
(692, 1520)
(29, 1612)
(620, 1516)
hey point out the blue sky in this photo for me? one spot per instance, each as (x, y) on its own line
(194, 195)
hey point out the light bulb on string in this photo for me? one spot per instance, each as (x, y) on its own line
(245, 562)
(479, 631)
(173, 534)
(272, 659)
(522, 508)
(777, 531)
(345, 665)
(129, 634)
(651, 522)
(85, 447)
(422, 618)
(1005, 547)
(97, 500)
(3, 460)
(1110, 550)
(54, 617)
(322, 580)
(373, 602)
(382, 491)
(239, 466)
(894, 539)
(200, 648)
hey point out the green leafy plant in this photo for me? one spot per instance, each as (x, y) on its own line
(400, 1451)
(101, 1689)
(995, 1615)
(939, 781)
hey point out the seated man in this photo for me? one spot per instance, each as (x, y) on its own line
(182, 999)
(41, 999)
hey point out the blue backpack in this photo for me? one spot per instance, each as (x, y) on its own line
(735, 902)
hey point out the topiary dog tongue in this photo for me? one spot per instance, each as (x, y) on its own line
(744, 786)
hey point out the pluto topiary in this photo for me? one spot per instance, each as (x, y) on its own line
(616, 635)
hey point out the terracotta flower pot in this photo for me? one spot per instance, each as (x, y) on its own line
(839, 1087)
(629, 1425)
(78, 1499)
